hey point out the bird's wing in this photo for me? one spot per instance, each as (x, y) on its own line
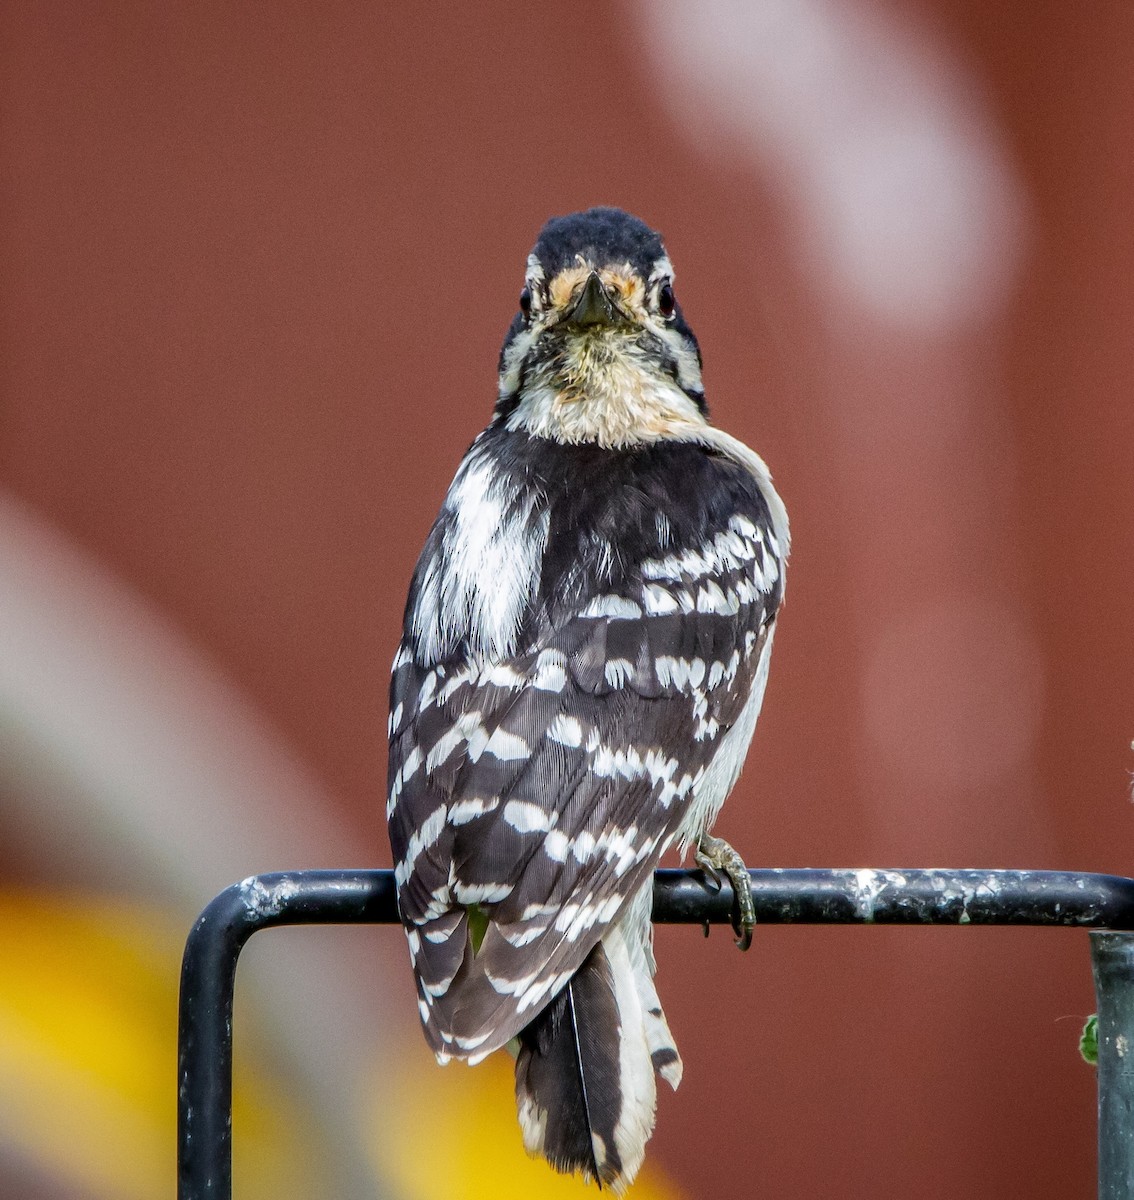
(544, 788)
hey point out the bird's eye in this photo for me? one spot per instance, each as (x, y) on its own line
(666, 300)
(526, 303)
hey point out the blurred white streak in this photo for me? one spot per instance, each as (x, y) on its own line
(910, 223)
(152, 764)
(902, 200)
(128, 762)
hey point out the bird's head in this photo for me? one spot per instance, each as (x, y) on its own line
(599, 351)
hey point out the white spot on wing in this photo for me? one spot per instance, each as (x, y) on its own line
(683, 674)
(481, 893)
(618, 672)
(710, 599)
(503, 676)
(524, 935)
(565, 730)
(556, 845)
(663, 568)
(582, 846)
(471, 1043)
(422, 838)
(428, 687)
(467, 728)
(507, 746)
(412, 762)
(743, 526)
(437, 987)
(527, 817)
(550, 671)
(615, 607)
(624, 762)
(510, 987)
(657, 600)
(456, 682)
(465, 811)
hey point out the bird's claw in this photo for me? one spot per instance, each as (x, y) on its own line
(708, 867)
(717, 858)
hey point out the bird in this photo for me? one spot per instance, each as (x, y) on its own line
(583, 659)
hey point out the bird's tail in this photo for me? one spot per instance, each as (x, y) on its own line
(585, 1070)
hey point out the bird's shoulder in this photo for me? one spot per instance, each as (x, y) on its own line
(534, 531)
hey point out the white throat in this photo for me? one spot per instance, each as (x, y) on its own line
(604, 388)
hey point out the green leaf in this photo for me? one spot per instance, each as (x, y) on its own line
(1089, 1041)
(478, 926)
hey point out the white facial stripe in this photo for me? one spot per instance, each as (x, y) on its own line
(518, 350)
(662, 269)
(688, 369)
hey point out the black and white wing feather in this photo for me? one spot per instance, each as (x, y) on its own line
(585, 650)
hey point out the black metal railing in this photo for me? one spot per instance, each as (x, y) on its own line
(1102, 903)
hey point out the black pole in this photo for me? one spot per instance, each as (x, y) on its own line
(848, 897)
(208, 977)
(1113, 959)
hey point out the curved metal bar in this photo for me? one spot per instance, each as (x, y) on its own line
(208, 977)
(845, 897)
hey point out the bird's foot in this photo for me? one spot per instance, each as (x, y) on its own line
(716, 858)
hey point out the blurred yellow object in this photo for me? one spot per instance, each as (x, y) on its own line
(88, 1051)
(451, 1134)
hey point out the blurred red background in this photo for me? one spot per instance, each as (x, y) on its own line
(258, 261)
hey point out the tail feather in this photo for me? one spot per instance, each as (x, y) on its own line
(567, 1078)
(585, 1070)
(662, 1047)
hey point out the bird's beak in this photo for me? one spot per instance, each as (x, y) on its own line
(594, 306)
